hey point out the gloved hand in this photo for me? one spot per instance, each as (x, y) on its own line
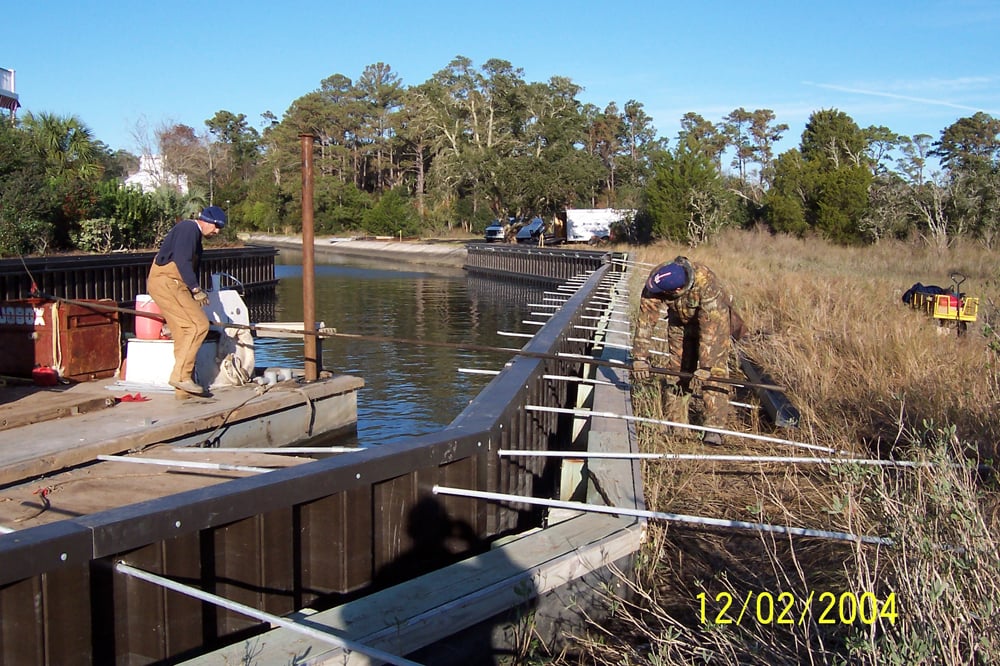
(201, 298)
(700, 376)
(640, 370)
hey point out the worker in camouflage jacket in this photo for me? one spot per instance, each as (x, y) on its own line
(700, 325)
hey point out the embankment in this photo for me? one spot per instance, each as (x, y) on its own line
(434, 253)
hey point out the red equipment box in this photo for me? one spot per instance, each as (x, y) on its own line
(78, 342)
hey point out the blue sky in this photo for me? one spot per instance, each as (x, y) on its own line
(126, 69)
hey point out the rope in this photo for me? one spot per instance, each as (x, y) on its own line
(333, 333)
(311, 414)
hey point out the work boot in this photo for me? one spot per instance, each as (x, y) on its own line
(712, 439)
(188, 386)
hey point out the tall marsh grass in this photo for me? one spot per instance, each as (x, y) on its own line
(870, 376)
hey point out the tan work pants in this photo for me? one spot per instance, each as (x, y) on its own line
(186, 319)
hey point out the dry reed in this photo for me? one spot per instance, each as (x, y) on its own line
(871, 376)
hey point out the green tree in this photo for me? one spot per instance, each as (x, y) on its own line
(970, 150)
(736, 127)
(787, 199)
(828, 177)
(881, 142)
(27, 204)
(66, 146)
(763, 134)
(686, 200)
(840, 201)
(391, 215)
(72, 161)
(241, 142)
(832, 139)
(700, 135)
(380, 92)
(970, 144)
(915, 150)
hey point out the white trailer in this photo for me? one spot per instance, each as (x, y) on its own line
(585, 224)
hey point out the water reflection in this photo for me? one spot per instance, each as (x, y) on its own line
(409, 389)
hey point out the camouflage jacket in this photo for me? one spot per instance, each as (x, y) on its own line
(703, 300)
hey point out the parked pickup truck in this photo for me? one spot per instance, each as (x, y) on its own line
(495, 232)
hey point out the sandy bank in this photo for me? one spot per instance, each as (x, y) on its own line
(439, 253)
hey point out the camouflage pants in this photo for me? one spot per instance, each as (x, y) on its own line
(692, 346)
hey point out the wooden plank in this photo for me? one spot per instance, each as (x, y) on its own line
(107, 485)
(41, 448)
(38, 408)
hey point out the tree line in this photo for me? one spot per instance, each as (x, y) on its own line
(473, 144)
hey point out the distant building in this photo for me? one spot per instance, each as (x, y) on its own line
(8, 98)
(152, 176)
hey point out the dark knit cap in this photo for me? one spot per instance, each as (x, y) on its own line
(668, 277)
(215, 215)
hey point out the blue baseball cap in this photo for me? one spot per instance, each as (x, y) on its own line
(669, 277)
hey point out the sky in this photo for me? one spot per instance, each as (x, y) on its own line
(126, 69)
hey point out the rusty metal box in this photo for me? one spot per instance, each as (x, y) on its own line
(76, 340)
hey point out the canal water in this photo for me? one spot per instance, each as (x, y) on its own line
(410, 389)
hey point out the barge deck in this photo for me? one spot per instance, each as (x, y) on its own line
(44, 431)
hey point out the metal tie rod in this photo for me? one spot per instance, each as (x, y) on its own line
(716, 457)
(609, 320)
(602, 330)
(602, 343)
(532, 354)
(579, 380)
(643, 419)
(322, 636)
(268, 449)
(584, 380)
(657, 515)
(191, 464)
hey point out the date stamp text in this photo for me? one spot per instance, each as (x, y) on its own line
(785, 608)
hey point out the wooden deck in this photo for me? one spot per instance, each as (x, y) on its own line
(50, 438)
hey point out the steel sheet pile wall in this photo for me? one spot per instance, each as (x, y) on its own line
(310, 535)
(528, 261)
(120, 277)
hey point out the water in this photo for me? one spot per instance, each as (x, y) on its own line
(409, 389)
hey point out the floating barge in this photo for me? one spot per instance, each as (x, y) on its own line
(45, 430)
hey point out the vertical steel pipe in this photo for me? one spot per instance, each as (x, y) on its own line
(310, 342)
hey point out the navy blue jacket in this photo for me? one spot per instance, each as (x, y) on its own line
(182, 246)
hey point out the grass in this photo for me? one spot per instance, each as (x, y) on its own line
(870, 376)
